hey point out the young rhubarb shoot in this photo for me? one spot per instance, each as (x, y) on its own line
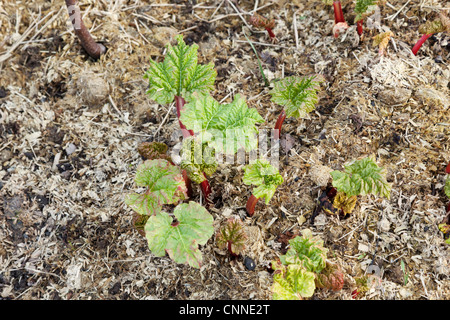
(297, 95)
(382, 40)
(266, 177)
(442, 24)
(296, 272)
(93, 48)
(259, 21)
(164, 185)
(363, 8)
(180, 238)
(232, 237)
(197, 159)
(176, 78)
(361, 177)
(331, 277)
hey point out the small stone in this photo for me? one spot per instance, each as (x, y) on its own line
(93, 89)
(395, 96)
(70, 149)
(249, 263)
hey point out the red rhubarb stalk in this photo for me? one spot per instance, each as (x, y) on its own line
(447, 170)
(206, 190)
(251, 204)
(359, 26)
(279, 124)
(270, 32)
(419, 43)
(338, 14)
(180, 102)
(93, 48)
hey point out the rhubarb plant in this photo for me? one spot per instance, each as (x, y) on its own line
(361, 177)
(180, 238)
(441, 24)
(297, 272)
(261, 22)
(297, 95)
(178, 77)
(265, 177)
(232, 236)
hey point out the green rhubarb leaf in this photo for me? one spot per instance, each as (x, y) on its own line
(292, 282)
(265, 176)
(447, 187)
(226, 127)
(179, 74)
(362, 177)
(180, 239)
(197, 159)
(364, 8)
(297, 95)
(164, 183)
(307, 251)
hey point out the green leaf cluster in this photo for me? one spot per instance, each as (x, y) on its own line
(179, 74)
(225, 127)
(297, 95)
(197, 158)
(180, 239)
(295, 272)
(265, 176)
(364, 8)
(360, 178)
(164, 183)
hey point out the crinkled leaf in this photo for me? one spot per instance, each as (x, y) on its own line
(265, 176)
(447, 187)
(165, 185)
(193, 227)
(179, 74)
(297, 95)
(226, 127)
(197, 158)
(307, 251)
(292, 282)
(343, 202)
(232, 236)
(362, 177)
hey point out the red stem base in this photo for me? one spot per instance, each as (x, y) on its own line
(419, 43)
(338, 14)
(359, 27)
(279, 124)
(251, 204)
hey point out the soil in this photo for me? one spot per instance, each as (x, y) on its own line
(70, 128)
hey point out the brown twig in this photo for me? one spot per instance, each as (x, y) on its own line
(93, 48)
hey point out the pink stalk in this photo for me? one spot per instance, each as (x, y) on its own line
(251, 204)
(338, 14)
(279, 124)
(419, 43)
(359, 26)
(92, 48)
(270, 32)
